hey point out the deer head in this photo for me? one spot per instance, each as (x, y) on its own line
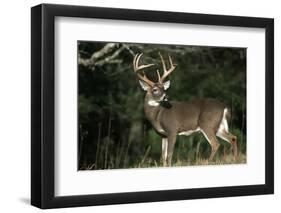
(155, 90)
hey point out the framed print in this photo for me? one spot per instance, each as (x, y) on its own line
(140, 106)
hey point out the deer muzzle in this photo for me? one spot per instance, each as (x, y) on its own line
(165, 102)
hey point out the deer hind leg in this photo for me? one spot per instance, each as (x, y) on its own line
(230, 138)
(224, 134)
(164, 151)
(213, 141)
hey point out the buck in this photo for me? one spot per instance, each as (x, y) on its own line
(207, 116)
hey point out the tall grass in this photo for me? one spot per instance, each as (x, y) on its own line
(189, 151)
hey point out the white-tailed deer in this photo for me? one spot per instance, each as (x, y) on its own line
(181, 118)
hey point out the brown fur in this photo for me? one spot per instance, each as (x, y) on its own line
(184, 116)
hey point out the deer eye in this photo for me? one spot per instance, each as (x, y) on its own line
(155, 91)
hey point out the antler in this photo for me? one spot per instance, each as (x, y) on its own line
(138, 67)
(166, 72)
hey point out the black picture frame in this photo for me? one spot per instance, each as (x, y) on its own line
(43, 117)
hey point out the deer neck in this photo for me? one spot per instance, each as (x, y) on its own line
(152, 112)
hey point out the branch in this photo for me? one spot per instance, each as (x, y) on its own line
(96, 56)
(106, 55)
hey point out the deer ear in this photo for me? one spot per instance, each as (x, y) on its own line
(144, 85)
(166, 85)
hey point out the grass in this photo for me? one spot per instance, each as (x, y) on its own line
(148, 162)
(241, 159)
(193, 150)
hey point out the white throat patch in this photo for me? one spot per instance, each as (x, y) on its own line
(153, 103)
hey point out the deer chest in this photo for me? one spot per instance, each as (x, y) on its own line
(158, 128)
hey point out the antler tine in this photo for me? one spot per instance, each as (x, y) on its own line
(169, 71)
(170, 59)
(159, 76)
(134, 61)
(142, 66)
(137, 60)
(163, 62)
(137, 68)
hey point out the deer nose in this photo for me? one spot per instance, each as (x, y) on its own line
(165, 98)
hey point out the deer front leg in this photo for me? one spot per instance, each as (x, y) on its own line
(170, 148)
(164, 150)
